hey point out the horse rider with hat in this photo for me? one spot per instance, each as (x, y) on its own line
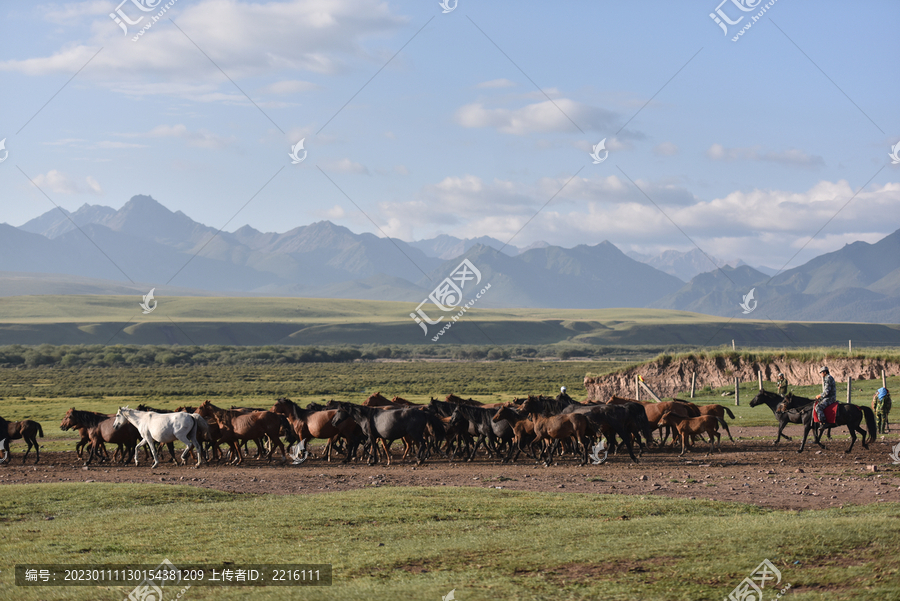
(828, 396)
(782, 384)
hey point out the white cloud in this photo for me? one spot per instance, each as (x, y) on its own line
(67, 13)
(496, 83)
(60, 183)
(300, 35)
(666, 149)
(289, 86)
(791, 157)
(560, 115)
(344, 166)
(200, 138)
(759, 226)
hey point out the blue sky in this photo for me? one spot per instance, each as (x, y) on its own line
(750, 148)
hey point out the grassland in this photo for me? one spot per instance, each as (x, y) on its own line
(45, 394)
(298, 321)
(417, 543)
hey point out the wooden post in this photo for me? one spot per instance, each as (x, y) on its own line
(849, 384)
(883, 383)
(650, 392)
(759, 375)
(849, 347)
(737, 392)
(732, 344)
(693, 383)
(637, 388)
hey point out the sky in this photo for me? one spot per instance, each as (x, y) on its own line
(415, 122)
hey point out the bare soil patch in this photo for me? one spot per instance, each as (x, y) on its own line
(750, 471)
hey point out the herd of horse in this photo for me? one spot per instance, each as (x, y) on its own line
(542, 427)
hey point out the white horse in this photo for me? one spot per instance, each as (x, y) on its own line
(164, 428)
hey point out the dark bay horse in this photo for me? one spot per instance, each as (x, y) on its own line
(315, 422)
(236, 427)
(100, 428)
(28, 430)
(391, 425)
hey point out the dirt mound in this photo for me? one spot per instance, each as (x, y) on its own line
(668, 377)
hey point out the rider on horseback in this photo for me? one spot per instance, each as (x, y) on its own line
(828, 396)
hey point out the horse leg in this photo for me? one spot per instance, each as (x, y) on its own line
(152, 444)
(852, 439)
(806, 429)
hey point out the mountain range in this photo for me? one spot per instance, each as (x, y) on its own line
(100, 250)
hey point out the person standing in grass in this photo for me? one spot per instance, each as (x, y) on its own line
(782, 384)
(881, 405)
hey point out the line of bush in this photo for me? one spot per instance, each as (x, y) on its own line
(98, 355)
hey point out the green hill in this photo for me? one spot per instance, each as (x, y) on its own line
(301, 321)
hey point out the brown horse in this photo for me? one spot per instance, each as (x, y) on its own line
(315, 423)
(557, 428)
(377, 400)
(403, 402)
(655, 412)
(28, 430)
(452, 398)
(688, 427)
(236, 426)
(100, 429)
(522, 426)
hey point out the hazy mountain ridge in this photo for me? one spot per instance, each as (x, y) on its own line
(154, 246)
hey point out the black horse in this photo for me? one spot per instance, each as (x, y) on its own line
(799, 410)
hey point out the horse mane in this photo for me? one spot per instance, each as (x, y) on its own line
(294, 407)
(452, 398)
(89, 419)
(149, 408)
(222, 415)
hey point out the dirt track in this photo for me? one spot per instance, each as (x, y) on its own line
(750, 471)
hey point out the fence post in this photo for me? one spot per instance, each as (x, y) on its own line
(849, 346)
(849, 385)
(737, 392)
(883, 384)
(693, 383)
(759, 375)
(732, 344)
(637, 388)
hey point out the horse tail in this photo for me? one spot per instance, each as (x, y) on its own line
(200, 425)
(870, 421)
(728, 411)
(41, 430)
(437, 426)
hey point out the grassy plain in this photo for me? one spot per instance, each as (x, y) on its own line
(300, 321)
(420, 543)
